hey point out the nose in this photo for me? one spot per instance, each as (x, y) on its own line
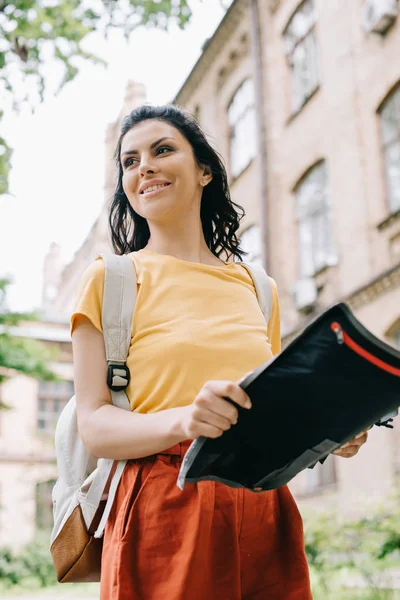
(146, 168)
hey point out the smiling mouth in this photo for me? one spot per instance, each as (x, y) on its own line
(154, 188)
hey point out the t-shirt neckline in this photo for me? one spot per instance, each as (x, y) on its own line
(186, 262)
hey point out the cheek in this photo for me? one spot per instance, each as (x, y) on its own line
(128, 183)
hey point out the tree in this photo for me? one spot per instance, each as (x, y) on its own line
(18, 354)
(32, 31)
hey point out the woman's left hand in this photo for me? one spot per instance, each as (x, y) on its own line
(352, 446)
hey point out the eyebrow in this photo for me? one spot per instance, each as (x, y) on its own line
(153, 145)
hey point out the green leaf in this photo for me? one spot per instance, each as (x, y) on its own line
(22, 355)
(69, 21)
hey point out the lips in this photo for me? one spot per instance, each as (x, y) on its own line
(153, 186)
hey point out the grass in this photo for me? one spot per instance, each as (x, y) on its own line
(357, 595)
(65, 590)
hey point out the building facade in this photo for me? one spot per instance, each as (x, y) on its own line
(317, 169)
(27, 456)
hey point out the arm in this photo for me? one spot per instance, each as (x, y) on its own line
(111, 432)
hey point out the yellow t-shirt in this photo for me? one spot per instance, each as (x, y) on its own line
(192, 323)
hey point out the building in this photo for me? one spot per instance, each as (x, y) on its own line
(309, 127)
(27, 456)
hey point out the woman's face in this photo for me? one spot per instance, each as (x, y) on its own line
(160, 176)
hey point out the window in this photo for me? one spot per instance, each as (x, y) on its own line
(390, 131)
(53, 396)
(242, 125)
(250, 241)
(44, 505)
(316, 244)
(301, 53)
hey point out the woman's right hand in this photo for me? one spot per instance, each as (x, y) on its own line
(210, 415)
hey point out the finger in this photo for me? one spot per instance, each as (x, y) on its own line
(206, 430)
(209, 402)
(208, 417)
(231, 390)
(357, 441)
(348, 450)
(363, 432)
(347, 453)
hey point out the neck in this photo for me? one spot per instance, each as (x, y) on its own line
(182, 239)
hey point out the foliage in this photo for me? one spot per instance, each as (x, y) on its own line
(37, 561)
(12, 571)
(33, 564)
(17, 353)
(365, 549)
(32, 33)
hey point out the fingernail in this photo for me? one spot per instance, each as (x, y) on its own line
(345, 445)
(248, 404)
(360, 435)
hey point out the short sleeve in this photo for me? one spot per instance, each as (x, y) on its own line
(89, 295)
(274, 324)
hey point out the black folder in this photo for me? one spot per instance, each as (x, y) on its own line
(331, 382)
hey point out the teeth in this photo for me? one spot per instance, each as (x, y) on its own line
(154, 187)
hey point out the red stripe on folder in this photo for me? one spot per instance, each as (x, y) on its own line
(364, 353)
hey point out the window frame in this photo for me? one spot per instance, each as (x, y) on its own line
(44, 505)
(393, 92)
(233, 127)
(258, 256)
(331, 255)
(295, 108)
(50, 397)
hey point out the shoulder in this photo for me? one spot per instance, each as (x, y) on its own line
(92, 278)
(94, 271)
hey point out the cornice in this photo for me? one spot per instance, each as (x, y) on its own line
(365, 294)
(376, 287)
(211, 50)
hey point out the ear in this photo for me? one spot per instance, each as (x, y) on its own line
(206, 177)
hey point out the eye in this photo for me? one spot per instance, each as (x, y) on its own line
(163, 149)
(129, 161)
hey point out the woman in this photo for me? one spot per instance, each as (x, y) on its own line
(209, 541)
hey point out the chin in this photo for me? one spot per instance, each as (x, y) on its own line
(158, 212)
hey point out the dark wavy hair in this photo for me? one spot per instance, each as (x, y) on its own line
(220, 216)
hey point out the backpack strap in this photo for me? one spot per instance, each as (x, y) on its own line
(119, 298)
(263, 287)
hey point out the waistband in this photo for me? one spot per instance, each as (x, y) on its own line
(177, 450)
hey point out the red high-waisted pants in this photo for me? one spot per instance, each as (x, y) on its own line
(208, 542)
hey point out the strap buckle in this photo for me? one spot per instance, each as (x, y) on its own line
(118, 377)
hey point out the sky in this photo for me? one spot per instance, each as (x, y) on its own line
(57, 177)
